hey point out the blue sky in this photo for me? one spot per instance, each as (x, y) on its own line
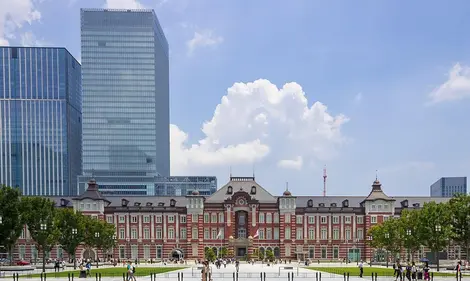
(287, 87)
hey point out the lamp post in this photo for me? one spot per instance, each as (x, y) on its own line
(387, 236)
(408, 234)
(74, 232)
(43, 227)
(438, 230)
(97, 236)
(370, 245)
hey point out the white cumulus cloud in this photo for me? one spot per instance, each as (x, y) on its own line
(204, 38)
(295, 164)
(123, 4)
(13, 15)
(258, 120)
(456, 87)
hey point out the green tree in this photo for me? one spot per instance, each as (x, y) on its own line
(209, 254)
(223, 252)
(270, 255)
(435, 227)
(392, 236)
(72, 230)
(11, 221)
(410, 231)
(90, 237)
(105, 237)
(460, 220)
(39, 214)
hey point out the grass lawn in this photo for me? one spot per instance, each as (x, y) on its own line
(108, 272)
(354, 271)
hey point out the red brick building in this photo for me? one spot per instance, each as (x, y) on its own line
(241, 216)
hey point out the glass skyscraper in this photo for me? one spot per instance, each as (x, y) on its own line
(125, 66)
(40, 120)
(449, 186)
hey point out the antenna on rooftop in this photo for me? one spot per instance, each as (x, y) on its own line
(324, 180)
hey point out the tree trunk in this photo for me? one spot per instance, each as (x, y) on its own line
(74, 261)
(10, 253)
(43, 260)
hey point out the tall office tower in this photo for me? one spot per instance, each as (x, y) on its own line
(40, 120)
(449, 186)
(126, 138)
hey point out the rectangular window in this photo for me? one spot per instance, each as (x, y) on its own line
(276, 217)
(133, 219)
(221, 217)
(311, 233)
(133, 233)
(158, 233)
(122, 233)
(213, 218)
(206, 233)
(194, 218)
(373, 219)
(386, 218)
(214, 233)
(288, 253)
(22, 235)
(159, 219)
(194, 233)
(323, 219)
(146, 219)
(122, 219)
(269, 233)
(261, 234)
(261, 217)
(146, 252)
(122, 252)
(109, 219)
(276, 233)
(287, 233)
(360, 234)
(323, 253)
(287, 218)
(206, 218)
(335, 219)
(299, 219)
(347, 219)
(183, 233)
(146, 233)
(159, 252)
(34, 252)
(171, 233)
(311, 252)
(183, 219)
(311, 219)
(22, 251)
(335, 252)
(335, 234)
(171, 219)
(347, 233)
(299, 233)
(269, 218)
(360, 220)
(324, 233)
(134, 252)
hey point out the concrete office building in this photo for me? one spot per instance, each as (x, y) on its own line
(449, 186)
(125, 100)
(40, 120)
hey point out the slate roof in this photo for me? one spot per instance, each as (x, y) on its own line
(355, 201)
(92, 192)
(143, 200)
(242, 183)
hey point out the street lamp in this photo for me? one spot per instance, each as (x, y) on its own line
(408, 233)
(370, 244)
(97, 235)
(43, 226)
(438, 229)
(1, 220)
(74, 232)
(387, 236)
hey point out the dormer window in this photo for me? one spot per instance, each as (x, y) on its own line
(161, 204)
(253, 190)
(137, 204)
(333, 205)
(345, 203)
(172, 202)
(149, 204)
(310, 203)
(416, 205)
(63, 202)
(321, 205)
(404, 204)
(229, 190)
(124, 202)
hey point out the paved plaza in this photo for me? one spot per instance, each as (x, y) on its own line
(247, 272)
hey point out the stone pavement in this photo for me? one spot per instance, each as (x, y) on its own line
(247, 272)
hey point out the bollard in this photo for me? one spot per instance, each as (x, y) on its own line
(179, 279)
(432, 275)
(344, 276)
(316, 276)
(292, 276)
(261, 276)
(234, 276)
(151, 276)
(68, 276)
(182, 276)
(376, 276)
(372, 275)
(96, 276)
(99, 276)
(41, 276)
(72, 276)
(288, 276)
(347, 276)
(319, 274)
(264, 278)
(45, 276)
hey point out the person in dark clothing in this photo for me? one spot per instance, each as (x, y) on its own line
(408, 272)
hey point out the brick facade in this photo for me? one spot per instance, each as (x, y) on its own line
(315, 227)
